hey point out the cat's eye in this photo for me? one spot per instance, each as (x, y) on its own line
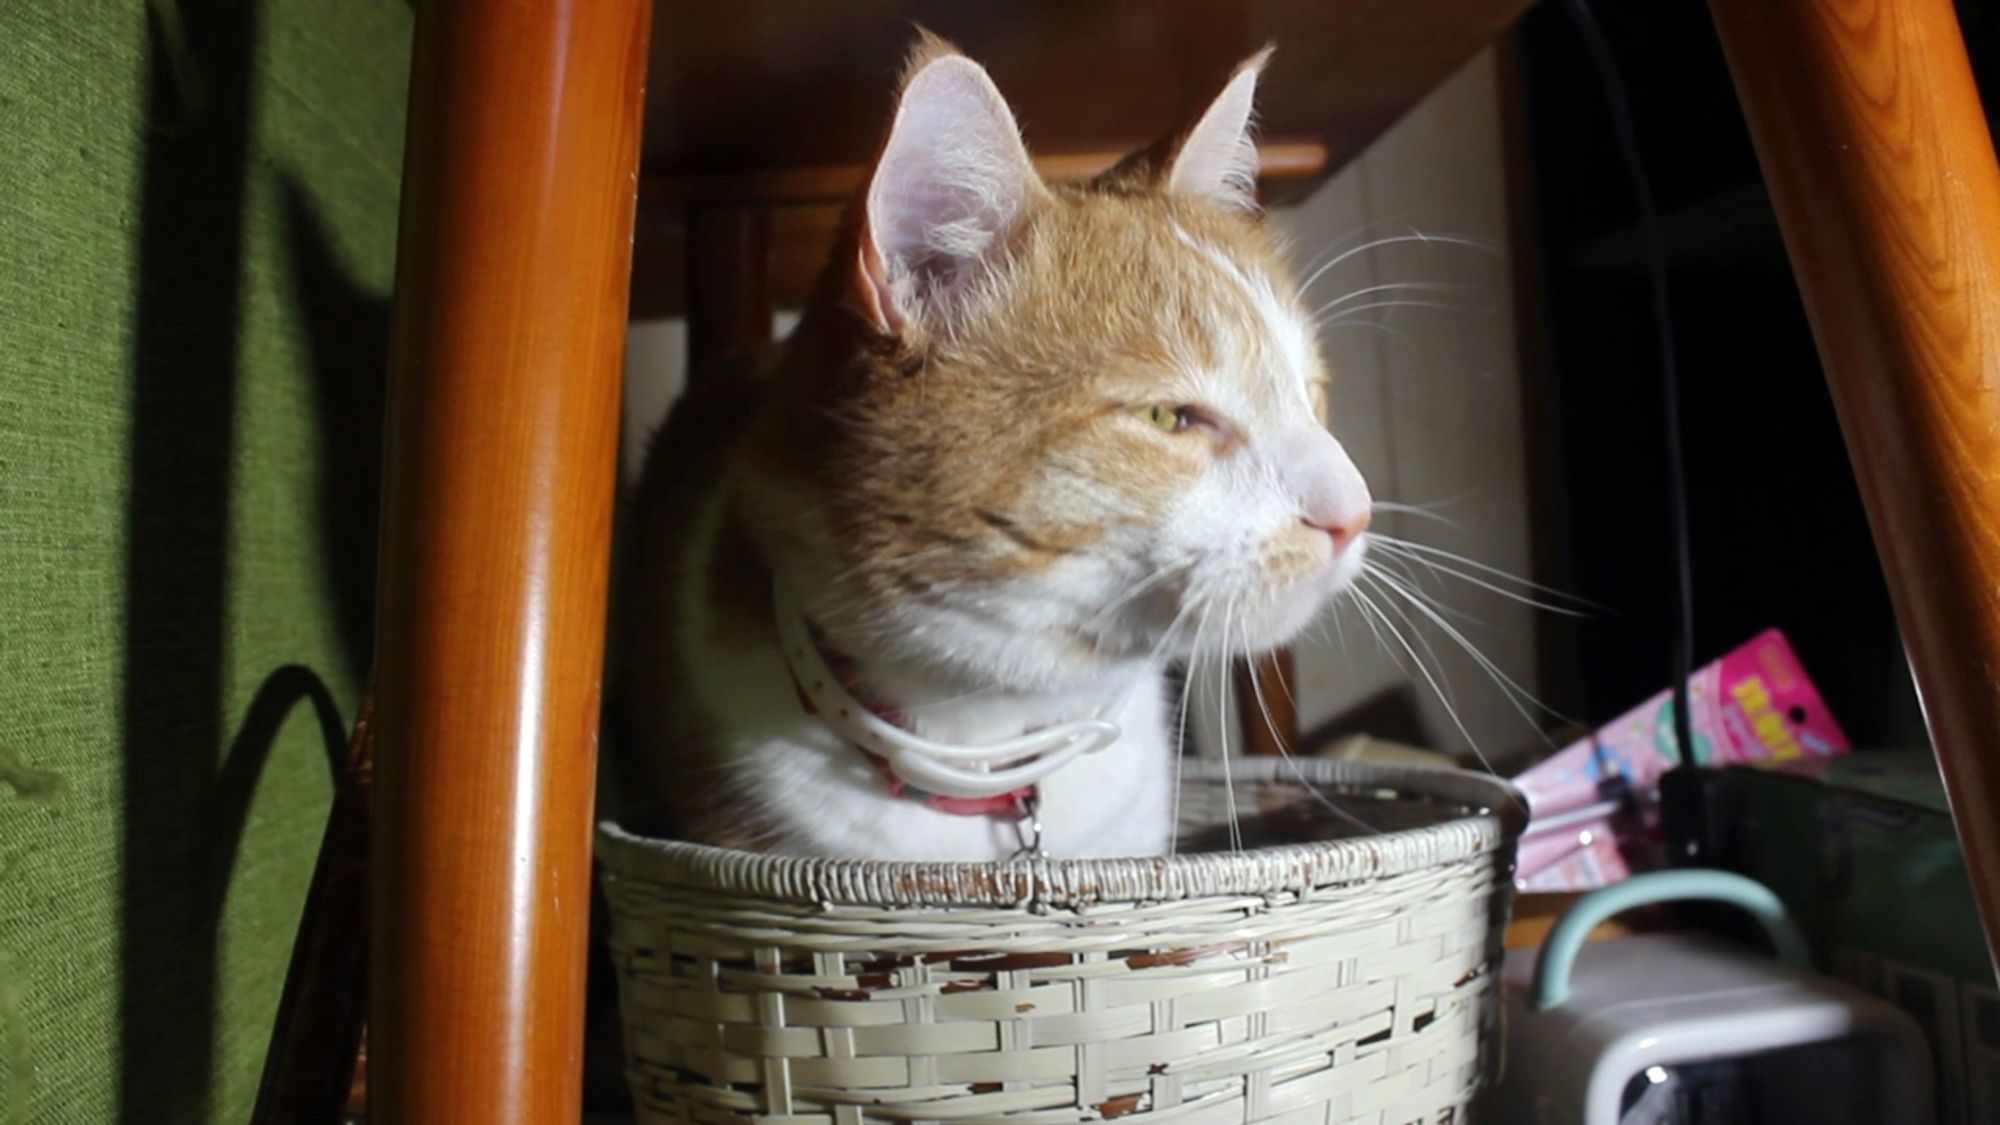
(1166, 416)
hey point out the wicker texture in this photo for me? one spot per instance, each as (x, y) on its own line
(1341, 981)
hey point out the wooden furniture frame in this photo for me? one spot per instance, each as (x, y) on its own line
(509, 324)
(1881, 168)
(521, 178)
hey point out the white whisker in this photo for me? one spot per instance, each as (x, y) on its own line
(1513, 691)
(1421, 511)
(1392, 287)
(1188, 688)
(1136, 590)
(1400, 565)
(1277, 739)
(1345, 315)
(1410, 624)
(1443, 698)
(1222, 728)
(1389, 553)
(1409, 545)
(1331, 325)
(1393, 240)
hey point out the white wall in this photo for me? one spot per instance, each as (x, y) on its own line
(655, 373)
(1427, 400)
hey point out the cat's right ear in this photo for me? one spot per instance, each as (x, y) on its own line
(952, 183)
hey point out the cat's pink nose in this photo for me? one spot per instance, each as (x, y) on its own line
(1343, 529)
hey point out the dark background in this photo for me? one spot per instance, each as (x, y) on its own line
(1777, 528)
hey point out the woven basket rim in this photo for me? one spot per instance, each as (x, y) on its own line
(1499, 816)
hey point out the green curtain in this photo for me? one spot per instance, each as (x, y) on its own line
(197, 229)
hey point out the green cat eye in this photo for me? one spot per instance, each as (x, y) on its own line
(1172, 419)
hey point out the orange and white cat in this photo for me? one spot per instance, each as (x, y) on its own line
(1028, 444)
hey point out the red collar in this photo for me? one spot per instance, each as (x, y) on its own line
(1009, 804)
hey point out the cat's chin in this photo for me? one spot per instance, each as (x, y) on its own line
(1291, 610)
(1282, 625)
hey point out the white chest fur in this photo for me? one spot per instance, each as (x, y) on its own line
(815, 793)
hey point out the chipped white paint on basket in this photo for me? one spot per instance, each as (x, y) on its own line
(1336, 981)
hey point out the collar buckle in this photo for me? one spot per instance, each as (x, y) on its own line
(1029, 828)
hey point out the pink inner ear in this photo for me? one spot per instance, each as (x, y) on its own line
(1217, 159)
(952, 181)
(871, 288)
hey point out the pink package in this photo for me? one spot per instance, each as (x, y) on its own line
(1754, 704)
(1573, 850)
(1589, 858)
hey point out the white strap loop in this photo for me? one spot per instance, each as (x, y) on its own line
(951, 771)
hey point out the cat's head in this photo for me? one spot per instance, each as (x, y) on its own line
(1086, 422)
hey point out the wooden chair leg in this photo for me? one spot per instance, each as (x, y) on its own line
(316, 1039)
(728, 283)
(500, 460)
(1266, 707)
(1882, 171)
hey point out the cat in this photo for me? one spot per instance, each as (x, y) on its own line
(1027, 444)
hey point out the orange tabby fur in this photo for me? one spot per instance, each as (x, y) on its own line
(921, 442)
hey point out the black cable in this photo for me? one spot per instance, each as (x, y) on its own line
(1680, 788)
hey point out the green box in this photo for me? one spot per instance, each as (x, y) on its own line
(1863, 851)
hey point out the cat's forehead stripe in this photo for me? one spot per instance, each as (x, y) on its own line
(1282, 326)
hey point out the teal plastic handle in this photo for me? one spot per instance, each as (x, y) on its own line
(1566, 939)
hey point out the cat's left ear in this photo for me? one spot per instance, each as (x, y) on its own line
(953, 182)
(1216, 159)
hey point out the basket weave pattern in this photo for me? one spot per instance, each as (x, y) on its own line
(1346, 981)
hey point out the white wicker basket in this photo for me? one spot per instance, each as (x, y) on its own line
(1346, 980)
